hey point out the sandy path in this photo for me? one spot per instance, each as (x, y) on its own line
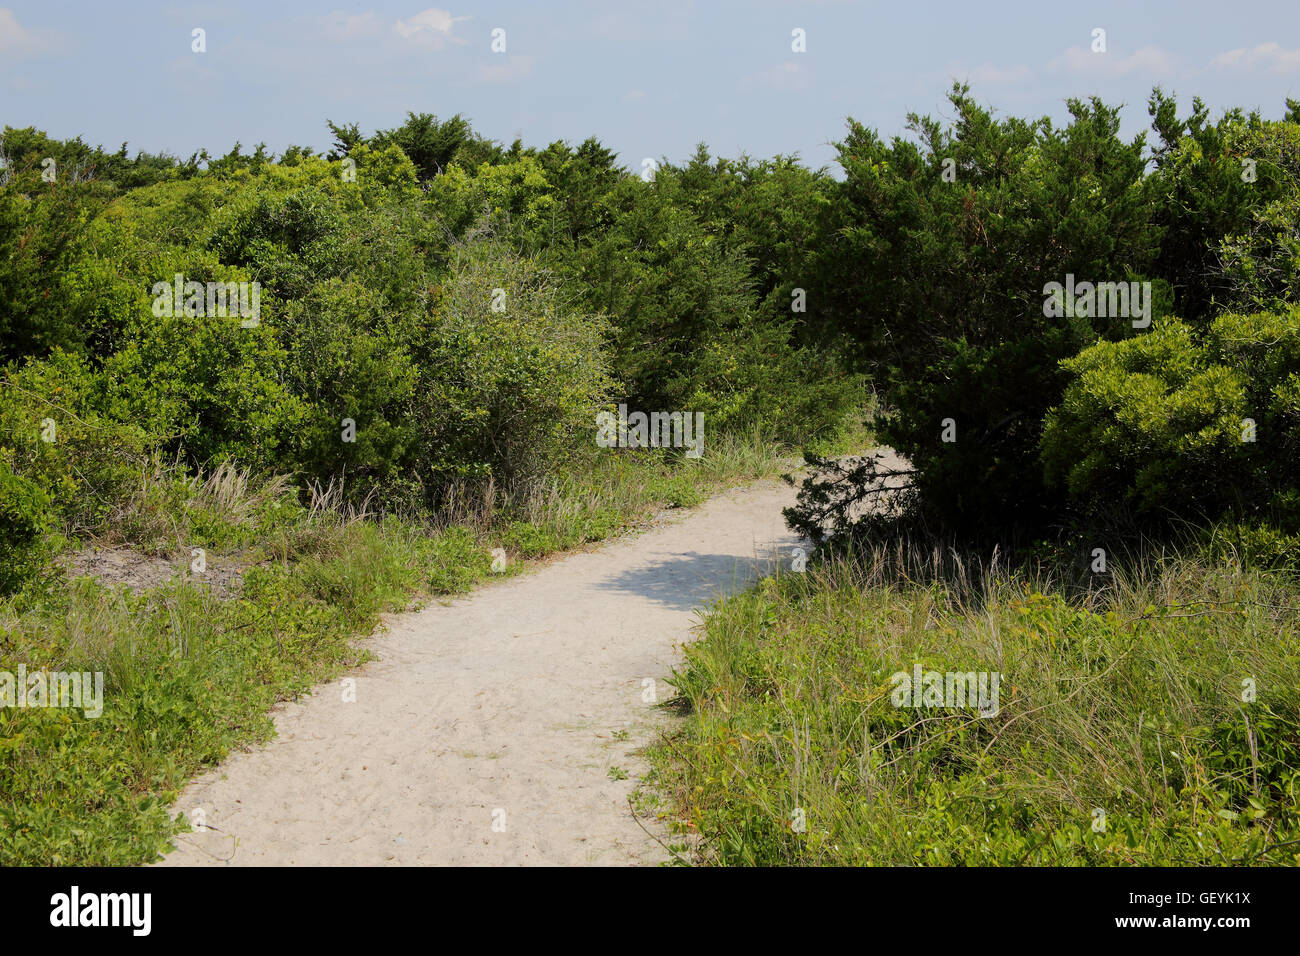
(505, 700)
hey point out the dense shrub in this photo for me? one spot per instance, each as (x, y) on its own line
(38, 243)
(1227, 195)
(938, 281)
(514, 196)
(432, 145)
(208, 387)
(347, 364)
(515, 372)
(287, 242)
(56, 434)
(24, 517)
(752, 380)
(1181, 424)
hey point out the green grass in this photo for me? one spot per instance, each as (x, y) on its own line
(189, 675)
(1125, 698)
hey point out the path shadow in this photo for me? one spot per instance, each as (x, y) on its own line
(690, 578)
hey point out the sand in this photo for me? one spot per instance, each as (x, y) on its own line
(486, 731)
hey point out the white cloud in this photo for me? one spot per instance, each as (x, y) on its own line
(1272, 54)
(17, 40)
(632, 96)
(431, 27)
(1148, 59)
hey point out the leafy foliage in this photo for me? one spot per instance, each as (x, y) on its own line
(939, 286)
(937, 283)
(24, 518)
(1178, 424)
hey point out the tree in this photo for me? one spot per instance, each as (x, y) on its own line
(936, 282)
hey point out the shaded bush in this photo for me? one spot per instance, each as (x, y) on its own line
(937, 282)
(358, 382)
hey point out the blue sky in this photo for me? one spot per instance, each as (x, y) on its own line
(649, 79)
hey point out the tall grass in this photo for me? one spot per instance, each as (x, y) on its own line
(602, 493)
(1122, 735)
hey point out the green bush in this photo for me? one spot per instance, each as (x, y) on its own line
(1181, 424)
(937, 282)
(41, 230)
(1257, 263)
(505, 393)
(346, 362)
(516, 191)
(750, 379)
(1219, 225)
(1148, 421)
(934, 256)
(57, 435)
(208, 387)
(24, 517)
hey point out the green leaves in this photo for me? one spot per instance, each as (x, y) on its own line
(937, 283)
(25, 514)
(1179, 423)
(514, 374)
